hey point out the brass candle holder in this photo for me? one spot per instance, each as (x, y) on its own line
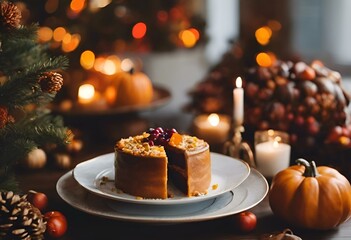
(236, 148)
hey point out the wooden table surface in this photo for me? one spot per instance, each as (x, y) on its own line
(86, 226)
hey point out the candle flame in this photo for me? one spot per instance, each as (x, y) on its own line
(270, 132)
(276, 141)
(213, 119)
(239, 82)
(86, 92)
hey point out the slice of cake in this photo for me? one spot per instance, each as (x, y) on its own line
(145, 163)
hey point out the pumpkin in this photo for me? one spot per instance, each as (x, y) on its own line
(311, 197)
(132, 89)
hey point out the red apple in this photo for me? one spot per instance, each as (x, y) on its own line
(245, 221)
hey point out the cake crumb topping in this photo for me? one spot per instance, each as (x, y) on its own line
(137, 146)
(189, 143)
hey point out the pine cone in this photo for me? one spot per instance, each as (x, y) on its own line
(10, 16)
(19, 219)
(51, 82)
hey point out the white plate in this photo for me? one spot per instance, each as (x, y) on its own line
(247, 195)
(227, 172)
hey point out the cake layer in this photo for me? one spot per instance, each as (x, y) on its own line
(141, 176)
(190, 170)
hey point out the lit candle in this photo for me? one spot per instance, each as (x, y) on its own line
(89, 98)
(272, 156)
(86, 93)
(212, 128)
(238, 101)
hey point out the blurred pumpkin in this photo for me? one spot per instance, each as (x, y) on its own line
(311, 197)
(129, 89)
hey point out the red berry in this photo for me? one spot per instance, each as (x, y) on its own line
(38, 199)
(56, 224)
(159, 129)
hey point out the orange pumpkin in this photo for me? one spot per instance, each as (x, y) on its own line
(131, 89)
(311, 197)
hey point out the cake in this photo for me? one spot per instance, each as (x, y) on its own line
(146, 164)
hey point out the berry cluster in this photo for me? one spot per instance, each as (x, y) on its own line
(159, 136)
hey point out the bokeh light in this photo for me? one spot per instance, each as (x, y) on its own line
(127, 65)
(139, 30)
(77, 5)
(86, 92)
(266, 59)
(59, 34)
(70, 42)
(263, 59)
(87, 59)
(274, 25)
(45, 34)
(263, 35)
(188, 38)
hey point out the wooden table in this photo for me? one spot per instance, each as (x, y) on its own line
(85, 226)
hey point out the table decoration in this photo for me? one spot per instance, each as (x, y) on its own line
(236, 147)
(161, 96)
(238, 101)
(89, 98)
(305, 99)
(214, 128)
(35, 159)
(285, 234)
(272, 151)
(19, 218)
(132, 88)
(311, 197)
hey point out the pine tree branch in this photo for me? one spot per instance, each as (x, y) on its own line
(22, 88)
(35, 129)
(23, 32)
(22, 62)
(21, 47)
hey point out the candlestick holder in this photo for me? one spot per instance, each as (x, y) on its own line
(236, 148)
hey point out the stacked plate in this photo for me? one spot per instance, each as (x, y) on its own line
(89, 187)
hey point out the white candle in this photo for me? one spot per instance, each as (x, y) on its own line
(238, 101)
(212, 128)
(272, 157)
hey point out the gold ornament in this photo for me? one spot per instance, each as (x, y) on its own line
(35, 159)
(62, 160)
(19, 219)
